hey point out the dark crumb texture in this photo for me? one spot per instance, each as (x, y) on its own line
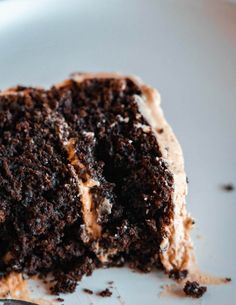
(42, 227)
(194, 290)
(228, 187)
(178, 275)
(88, 291)
(60, 300)
(105, 293)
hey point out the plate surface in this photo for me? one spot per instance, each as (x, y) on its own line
(186, 49)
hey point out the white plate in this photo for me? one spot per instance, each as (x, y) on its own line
(184, 48)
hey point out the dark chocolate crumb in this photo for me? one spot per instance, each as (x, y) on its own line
(187, 179)
(229, 187)
(228, 279)
(65, 285)
(178, 274)
(105, 293)
(110, 282)
(194, 290)
(160, 130)
(60, 300)
(88, 291)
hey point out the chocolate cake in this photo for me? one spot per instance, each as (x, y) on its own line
(91, 175)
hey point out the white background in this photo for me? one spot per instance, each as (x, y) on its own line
(186, 49)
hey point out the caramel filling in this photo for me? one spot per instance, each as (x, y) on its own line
(88, 208)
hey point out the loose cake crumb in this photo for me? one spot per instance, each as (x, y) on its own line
(194, 290)
(110, 282)
(178, 274)
(229, 187)
(60, 300)
(86, 290)
(105, 293)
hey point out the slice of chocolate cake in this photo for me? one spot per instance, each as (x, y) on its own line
(91, 174)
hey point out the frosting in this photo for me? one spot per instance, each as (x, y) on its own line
(89, 212)
(175, 248)
(14, 286)
(92, 228)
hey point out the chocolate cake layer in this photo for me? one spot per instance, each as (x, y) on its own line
(85, 181)
(40, 206)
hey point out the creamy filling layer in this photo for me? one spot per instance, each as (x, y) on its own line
(88, 209)
(89, 213)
